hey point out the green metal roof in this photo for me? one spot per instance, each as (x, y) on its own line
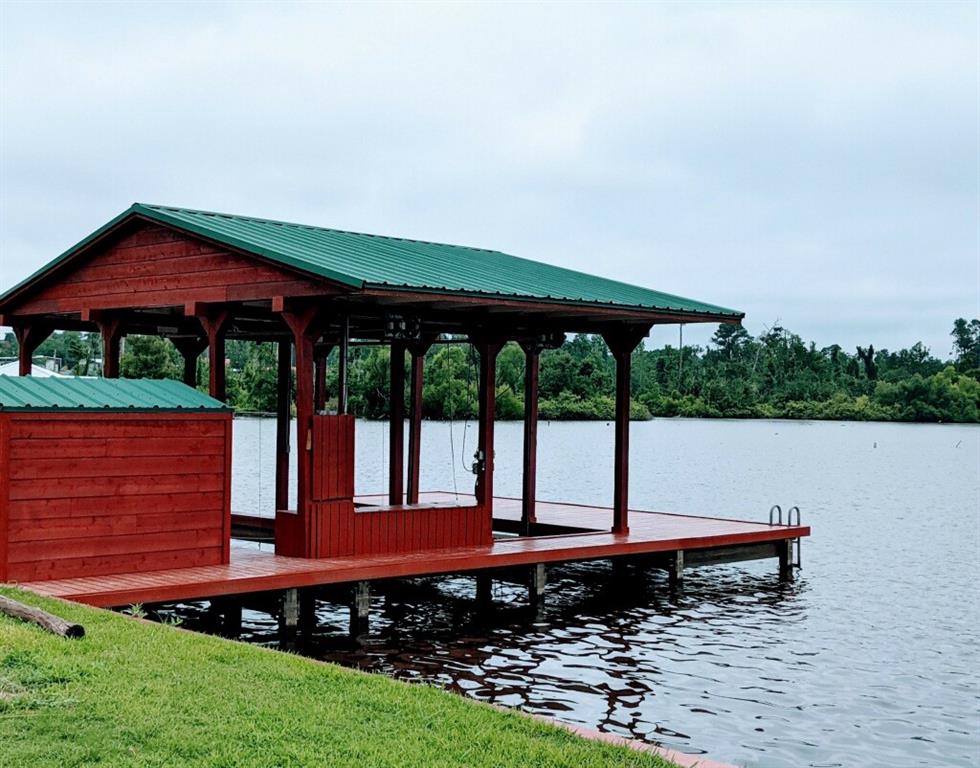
(362, 261)
(29, 393)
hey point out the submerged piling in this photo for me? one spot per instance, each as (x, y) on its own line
(360, 609)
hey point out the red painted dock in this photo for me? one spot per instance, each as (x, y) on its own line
(254, 571)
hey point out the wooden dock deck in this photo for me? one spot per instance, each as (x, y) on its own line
(702, 539)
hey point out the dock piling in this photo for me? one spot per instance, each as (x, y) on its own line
(360, 609)
(676, 570)
(225, 615)
(484, 591)
(537, 581)
(307, 611)
(231, 618)
(785, 548)
(621, 572)
(289, 617)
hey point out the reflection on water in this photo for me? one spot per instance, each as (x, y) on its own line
(611, 652)
(870, 658)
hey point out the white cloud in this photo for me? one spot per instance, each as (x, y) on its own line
(816, 163)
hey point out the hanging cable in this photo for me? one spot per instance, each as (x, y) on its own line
(452, 446)
(261, 463)
(470, 380)
(452, 457)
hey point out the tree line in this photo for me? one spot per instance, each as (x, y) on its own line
(773, 375)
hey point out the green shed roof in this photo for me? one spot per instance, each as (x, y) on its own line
(29, 393)
(362, 261)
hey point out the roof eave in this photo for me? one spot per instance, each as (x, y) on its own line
(722, 315)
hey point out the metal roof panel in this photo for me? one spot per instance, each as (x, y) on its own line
(22, 393)
(364, 260)
(361, 261)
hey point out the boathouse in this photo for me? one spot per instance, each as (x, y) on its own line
(199, 278)
(104, 476)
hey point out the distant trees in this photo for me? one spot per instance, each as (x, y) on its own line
(149, 357)
(966, 343)
(255, 381)
(774, 375)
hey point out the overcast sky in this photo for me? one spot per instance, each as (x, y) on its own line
(811, 164)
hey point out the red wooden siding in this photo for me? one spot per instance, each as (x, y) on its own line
(94, 494)
(335, 527)
(4, 502)
(338, 530)
(333, 461)
(390, 530)
(155, 266)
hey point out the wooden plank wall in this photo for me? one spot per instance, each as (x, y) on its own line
(335, 527)
(96, 494)
(4, 500)
(408, 529)
(333, 464)
(156, 266)
(331, 505)
(339, 530)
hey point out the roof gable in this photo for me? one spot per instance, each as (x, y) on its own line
(141, 262)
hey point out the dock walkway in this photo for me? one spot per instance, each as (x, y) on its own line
(250, 570)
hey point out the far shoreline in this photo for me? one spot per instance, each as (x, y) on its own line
(776, 419)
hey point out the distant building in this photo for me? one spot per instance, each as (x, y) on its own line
(12, 368)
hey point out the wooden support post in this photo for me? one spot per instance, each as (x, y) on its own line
(303, 539)
(415, 427)
(290, 608)
(231, 617)
(621, 573)
(622, 450)
(29, 338)
(537, 581)
(190, 348)
(484, 591)
(488, 351)
(532, 355)
(111, 330)
(785, 549)
(675, 570)
(396, 425)
(288, 618)
(622, 343)
(307, 611)
(342, 362)
(360, 609)
(418, 351)
(284, 399)
(320, 353)
(215, 321)
(190, 370)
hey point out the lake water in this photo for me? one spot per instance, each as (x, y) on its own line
(869, 658)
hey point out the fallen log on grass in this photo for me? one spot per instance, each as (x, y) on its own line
(43, 619)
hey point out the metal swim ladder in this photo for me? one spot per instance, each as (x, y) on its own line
(776, 518)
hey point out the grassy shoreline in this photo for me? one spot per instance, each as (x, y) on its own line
(137, 694)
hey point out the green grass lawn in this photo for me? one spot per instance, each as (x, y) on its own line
(132, 693)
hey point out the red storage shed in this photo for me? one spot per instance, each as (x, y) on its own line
(101, 476)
